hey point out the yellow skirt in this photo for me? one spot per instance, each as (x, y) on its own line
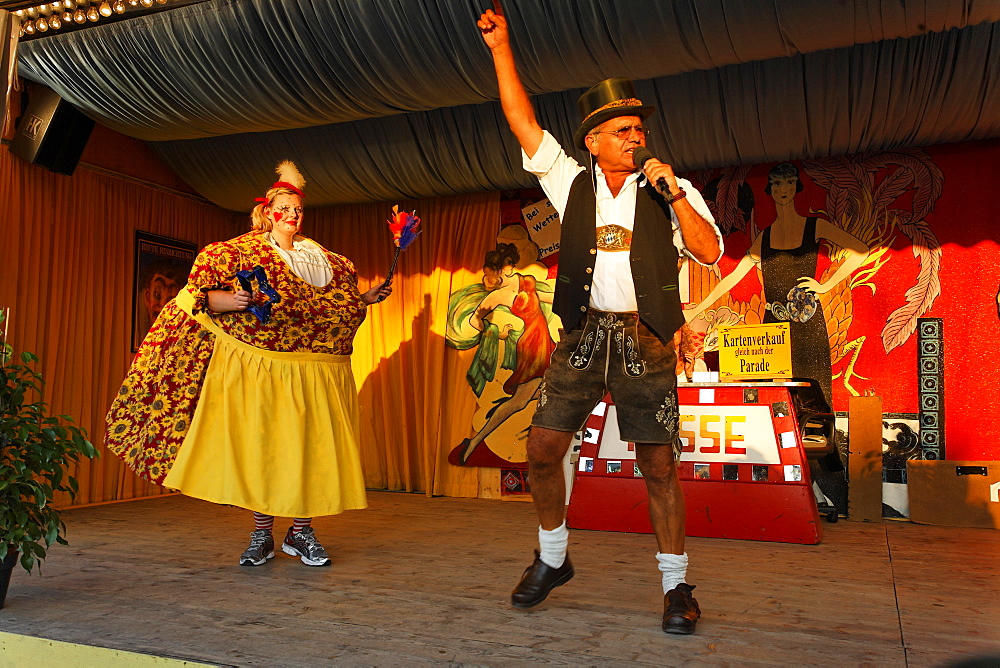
(273, 432)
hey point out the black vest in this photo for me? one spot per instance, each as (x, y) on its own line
(653, 255)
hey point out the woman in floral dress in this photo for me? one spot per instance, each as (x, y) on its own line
(246, 396)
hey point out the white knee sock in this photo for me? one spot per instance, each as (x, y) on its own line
(552, 545)
(673, 568)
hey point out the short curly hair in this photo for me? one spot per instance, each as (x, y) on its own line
(504, 255)
(784, 170)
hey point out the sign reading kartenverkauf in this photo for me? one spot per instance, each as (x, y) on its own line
(755, 352)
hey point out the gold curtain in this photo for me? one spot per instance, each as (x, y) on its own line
(66, 273)
(415, 402)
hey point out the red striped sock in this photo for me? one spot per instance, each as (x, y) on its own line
(262, 521)
(300, 523)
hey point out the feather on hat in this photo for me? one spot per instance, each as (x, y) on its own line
(289, 177)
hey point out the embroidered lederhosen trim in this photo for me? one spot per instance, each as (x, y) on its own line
(627, 339)
(590, 344)
(622, 329)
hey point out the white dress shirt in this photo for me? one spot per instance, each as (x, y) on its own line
(613, 289)
(307, 260)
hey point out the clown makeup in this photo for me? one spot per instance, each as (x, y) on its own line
(286, 216)
(286, 211)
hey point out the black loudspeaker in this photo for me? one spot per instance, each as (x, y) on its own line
(51, 133)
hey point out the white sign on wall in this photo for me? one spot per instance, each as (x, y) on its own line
(543, 224)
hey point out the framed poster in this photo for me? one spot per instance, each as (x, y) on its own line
(162, 266)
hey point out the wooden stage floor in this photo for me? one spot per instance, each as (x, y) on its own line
(419, 581)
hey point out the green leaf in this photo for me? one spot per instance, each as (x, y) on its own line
(37, 453)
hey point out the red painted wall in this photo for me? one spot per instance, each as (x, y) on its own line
(965, 220)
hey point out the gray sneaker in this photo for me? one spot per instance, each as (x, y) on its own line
(260, 550)
(304, 544)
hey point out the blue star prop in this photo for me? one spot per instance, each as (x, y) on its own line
(260, 309)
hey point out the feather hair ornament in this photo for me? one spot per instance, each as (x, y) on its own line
(404, 227)
(289, 175)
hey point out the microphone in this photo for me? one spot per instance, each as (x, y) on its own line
(640, 155)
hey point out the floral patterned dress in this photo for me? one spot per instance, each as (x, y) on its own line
(233, 410)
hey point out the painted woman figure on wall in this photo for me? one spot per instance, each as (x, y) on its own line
(786, 255)
(527, 348)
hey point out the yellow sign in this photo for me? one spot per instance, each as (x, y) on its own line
(755, 352)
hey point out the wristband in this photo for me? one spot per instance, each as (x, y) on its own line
(679, 196)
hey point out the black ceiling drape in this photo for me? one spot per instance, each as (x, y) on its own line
(383, 99)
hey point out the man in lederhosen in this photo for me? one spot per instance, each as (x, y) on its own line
(617, 296)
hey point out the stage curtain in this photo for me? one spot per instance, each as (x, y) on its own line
(415, 402)
(408, 90)
(9, 28)
(67, 272)
(66, 263)
(210, 69)
(870, 97)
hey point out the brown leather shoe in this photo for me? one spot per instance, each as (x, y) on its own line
(538, 580)
(680, 610)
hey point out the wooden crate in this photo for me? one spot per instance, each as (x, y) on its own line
(954, 493)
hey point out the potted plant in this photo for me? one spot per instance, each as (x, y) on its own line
(35, 450)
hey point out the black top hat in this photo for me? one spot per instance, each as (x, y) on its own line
(609, 99)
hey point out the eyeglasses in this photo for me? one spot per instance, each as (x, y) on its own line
(625, 132)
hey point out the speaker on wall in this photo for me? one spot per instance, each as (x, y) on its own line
(51, 133)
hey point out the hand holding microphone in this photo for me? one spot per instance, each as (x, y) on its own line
(640, 156)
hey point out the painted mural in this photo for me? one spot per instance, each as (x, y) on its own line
(804, 262)
(887, 264)
(507, 319)
(805, 242)
(915, 322)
